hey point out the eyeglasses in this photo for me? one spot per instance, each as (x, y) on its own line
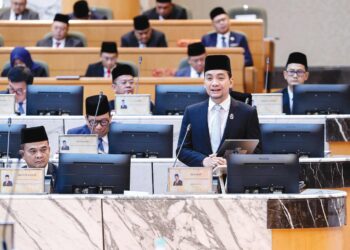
(131, 82)
(298, 72)
(103, 122)
(16, 91)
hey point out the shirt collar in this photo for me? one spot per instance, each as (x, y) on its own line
(225, 104)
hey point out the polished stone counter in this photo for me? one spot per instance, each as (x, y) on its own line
(233, 221)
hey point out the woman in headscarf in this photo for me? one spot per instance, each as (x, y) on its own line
(21, 57)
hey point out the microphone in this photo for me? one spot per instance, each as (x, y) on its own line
(98, 106)
(138, 74)
(9, 122)
(182, 143)
(267, 72)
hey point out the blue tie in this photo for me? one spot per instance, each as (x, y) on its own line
(224, 44)
(100, 145)
(20, 108)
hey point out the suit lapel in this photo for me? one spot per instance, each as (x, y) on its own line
(202, 120)
(286, 104)
(229, 122)
(101, 70)
(213, 39)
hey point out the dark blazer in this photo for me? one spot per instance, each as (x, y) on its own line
(183, 72)
(177, 13)
(82, 130)
(285, 99)
(236, 40)
(70, 42)
(93, 16)
(38, 72)
(26, 15)
(242, 123)
(157, 40)
(96, 70)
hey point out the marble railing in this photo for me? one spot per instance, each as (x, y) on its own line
(170, 221)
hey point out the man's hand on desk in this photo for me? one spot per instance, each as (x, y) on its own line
(213, 161)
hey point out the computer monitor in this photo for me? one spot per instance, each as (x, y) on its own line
(15, 139)
(254, 173)
(141, 140)
(293, 138)
(321, 99)
(92, 173)
(54, 100)
(173, 99)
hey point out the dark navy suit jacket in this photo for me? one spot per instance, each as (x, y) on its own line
(285, 100)
(157, 39)
(96, 70)
(79, 130)
(184, 72)
(242, 123)
(236, 40)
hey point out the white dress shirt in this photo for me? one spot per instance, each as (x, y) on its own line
(223, 114)
(219, 40)
(194, 73)
(105, 74)
(62, 43)
(13, 16)
(291, 95)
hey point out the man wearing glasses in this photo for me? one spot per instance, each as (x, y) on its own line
(296, 73)
(98, 118)
(18, 79)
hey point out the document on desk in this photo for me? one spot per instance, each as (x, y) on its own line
(78, 144)
(268, 104)
(22, 180)
(138, 104)
(190, 180)
(7, 104)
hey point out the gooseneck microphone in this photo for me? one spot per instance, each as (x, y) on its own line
(138, 74)
(98, 106)
(267, 73)
(9, 123)
(182, 143)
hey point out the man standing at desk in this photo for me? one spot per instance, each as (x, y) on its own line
(35, 149)
(18, 79)
(223, 37)
(296, 73)
(143, 35)
(165, 9)
(96, 105)
(216, 119)
(18, 11)
(109, 58)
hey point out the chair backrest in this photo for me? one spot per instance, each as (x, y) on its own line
(75, 34)
(107, 12)
(260, 13)
(183, 63)
(1, 41)
(132, 65)
(41, 63)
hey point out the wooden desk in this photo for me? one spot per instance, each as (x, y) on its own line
(73, 61)
(112, 30)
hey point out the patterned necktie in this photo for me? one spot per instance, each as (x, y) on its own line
(20, 108)
(108, 73)
(100, 145)
(58, 44)
(215, 137)
(224, 44)
(16, 16)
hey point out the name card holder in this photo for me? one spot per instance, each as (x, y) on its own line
(7, 104)
(137, 104)
(268, 104)
(80, 144)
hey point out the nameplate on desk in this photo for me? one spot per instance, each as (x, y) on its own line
(72, 77)
(78, 144)
(138, 104)
(190, 180)
(7, 104)
(22, 180)
(268, 104)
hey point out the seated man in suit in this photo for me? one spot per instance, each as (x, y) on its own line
(35, 149)
(18, 11)
(223, 37)
(196, 57)
(217, 119)
(296, 73)
(165, 9)
(82, 11)
(104, 68)
(60, 37)
(98, 117)
(143, 35)
(18, 79)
